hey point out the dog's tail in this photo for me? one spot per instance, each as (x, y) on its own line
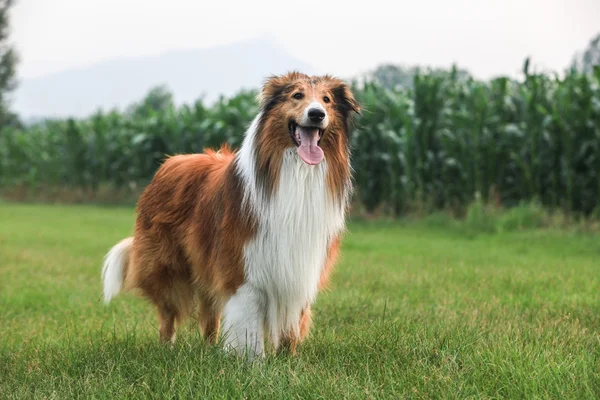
(115, 268)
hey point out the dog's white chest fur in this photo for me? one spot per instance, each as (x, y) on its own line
(296, 227)
(283, 263)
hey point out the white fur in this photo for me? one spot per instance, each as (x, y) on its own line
(246, 163)
(114, 265)
(283, 263)
(243, 330)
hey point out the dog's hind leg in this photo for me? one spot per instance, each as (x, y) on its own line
(173, 303)
(167, 316)
(210, 310)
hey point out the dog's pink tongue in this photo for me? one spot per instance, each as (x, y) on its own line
(309, 151)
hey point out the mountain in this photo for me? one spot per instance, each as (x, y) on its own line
(190, 74)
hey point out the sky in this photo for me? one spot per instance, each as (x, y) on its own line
(344, 38)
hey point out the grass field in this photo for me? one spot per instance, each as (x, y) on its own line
(416, 310)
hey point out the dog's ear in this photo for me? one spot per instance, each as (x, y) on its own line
(345, 101)
(344, 97)
(272, 90)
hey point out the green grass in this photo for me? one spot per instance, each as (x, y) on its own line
(416, 309)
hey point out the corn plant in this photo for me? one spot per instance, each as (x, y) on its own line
(440, 143)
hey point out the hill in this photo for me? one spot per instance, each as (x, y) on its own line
(188, 73)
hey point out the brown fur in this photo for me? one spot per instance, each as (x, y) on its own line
(189, 238)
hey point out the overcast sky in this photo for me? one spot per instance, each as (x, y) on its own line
(488, 37)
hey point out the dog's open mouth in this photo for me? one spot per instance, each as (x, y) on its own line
(307, 139)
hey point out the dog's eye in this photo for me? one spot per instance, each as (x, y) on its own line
(326, 99)
(298, 96)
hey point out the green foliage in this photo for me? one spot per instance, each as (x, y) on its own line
(481, 218)
(123, 149)
(439, 144)
(429, 147)
(8, 62)
(524, 216)
(589, 58)
(484, 218)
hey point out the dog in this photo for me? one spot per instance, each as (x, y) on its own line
(247, 237)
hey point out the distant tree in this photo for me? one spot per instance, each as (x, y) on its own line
(395, 76)
(8, 62)
(590, 57)
(158, 99)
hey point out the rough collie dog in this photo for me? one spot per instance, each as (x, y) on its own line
(249, 236)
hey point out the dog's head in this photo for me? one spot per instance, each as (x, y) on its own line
(310, 113)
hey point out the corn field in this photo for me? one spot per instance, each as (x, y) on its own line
(434, 146)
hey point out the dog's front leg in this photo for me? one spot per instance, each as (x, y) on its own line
(243, 322)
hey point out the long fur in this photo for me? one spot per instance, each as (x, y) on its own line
(114, 267)
(248, 236)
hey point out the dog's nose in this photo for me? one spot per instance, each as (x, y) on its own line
(316, 114)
